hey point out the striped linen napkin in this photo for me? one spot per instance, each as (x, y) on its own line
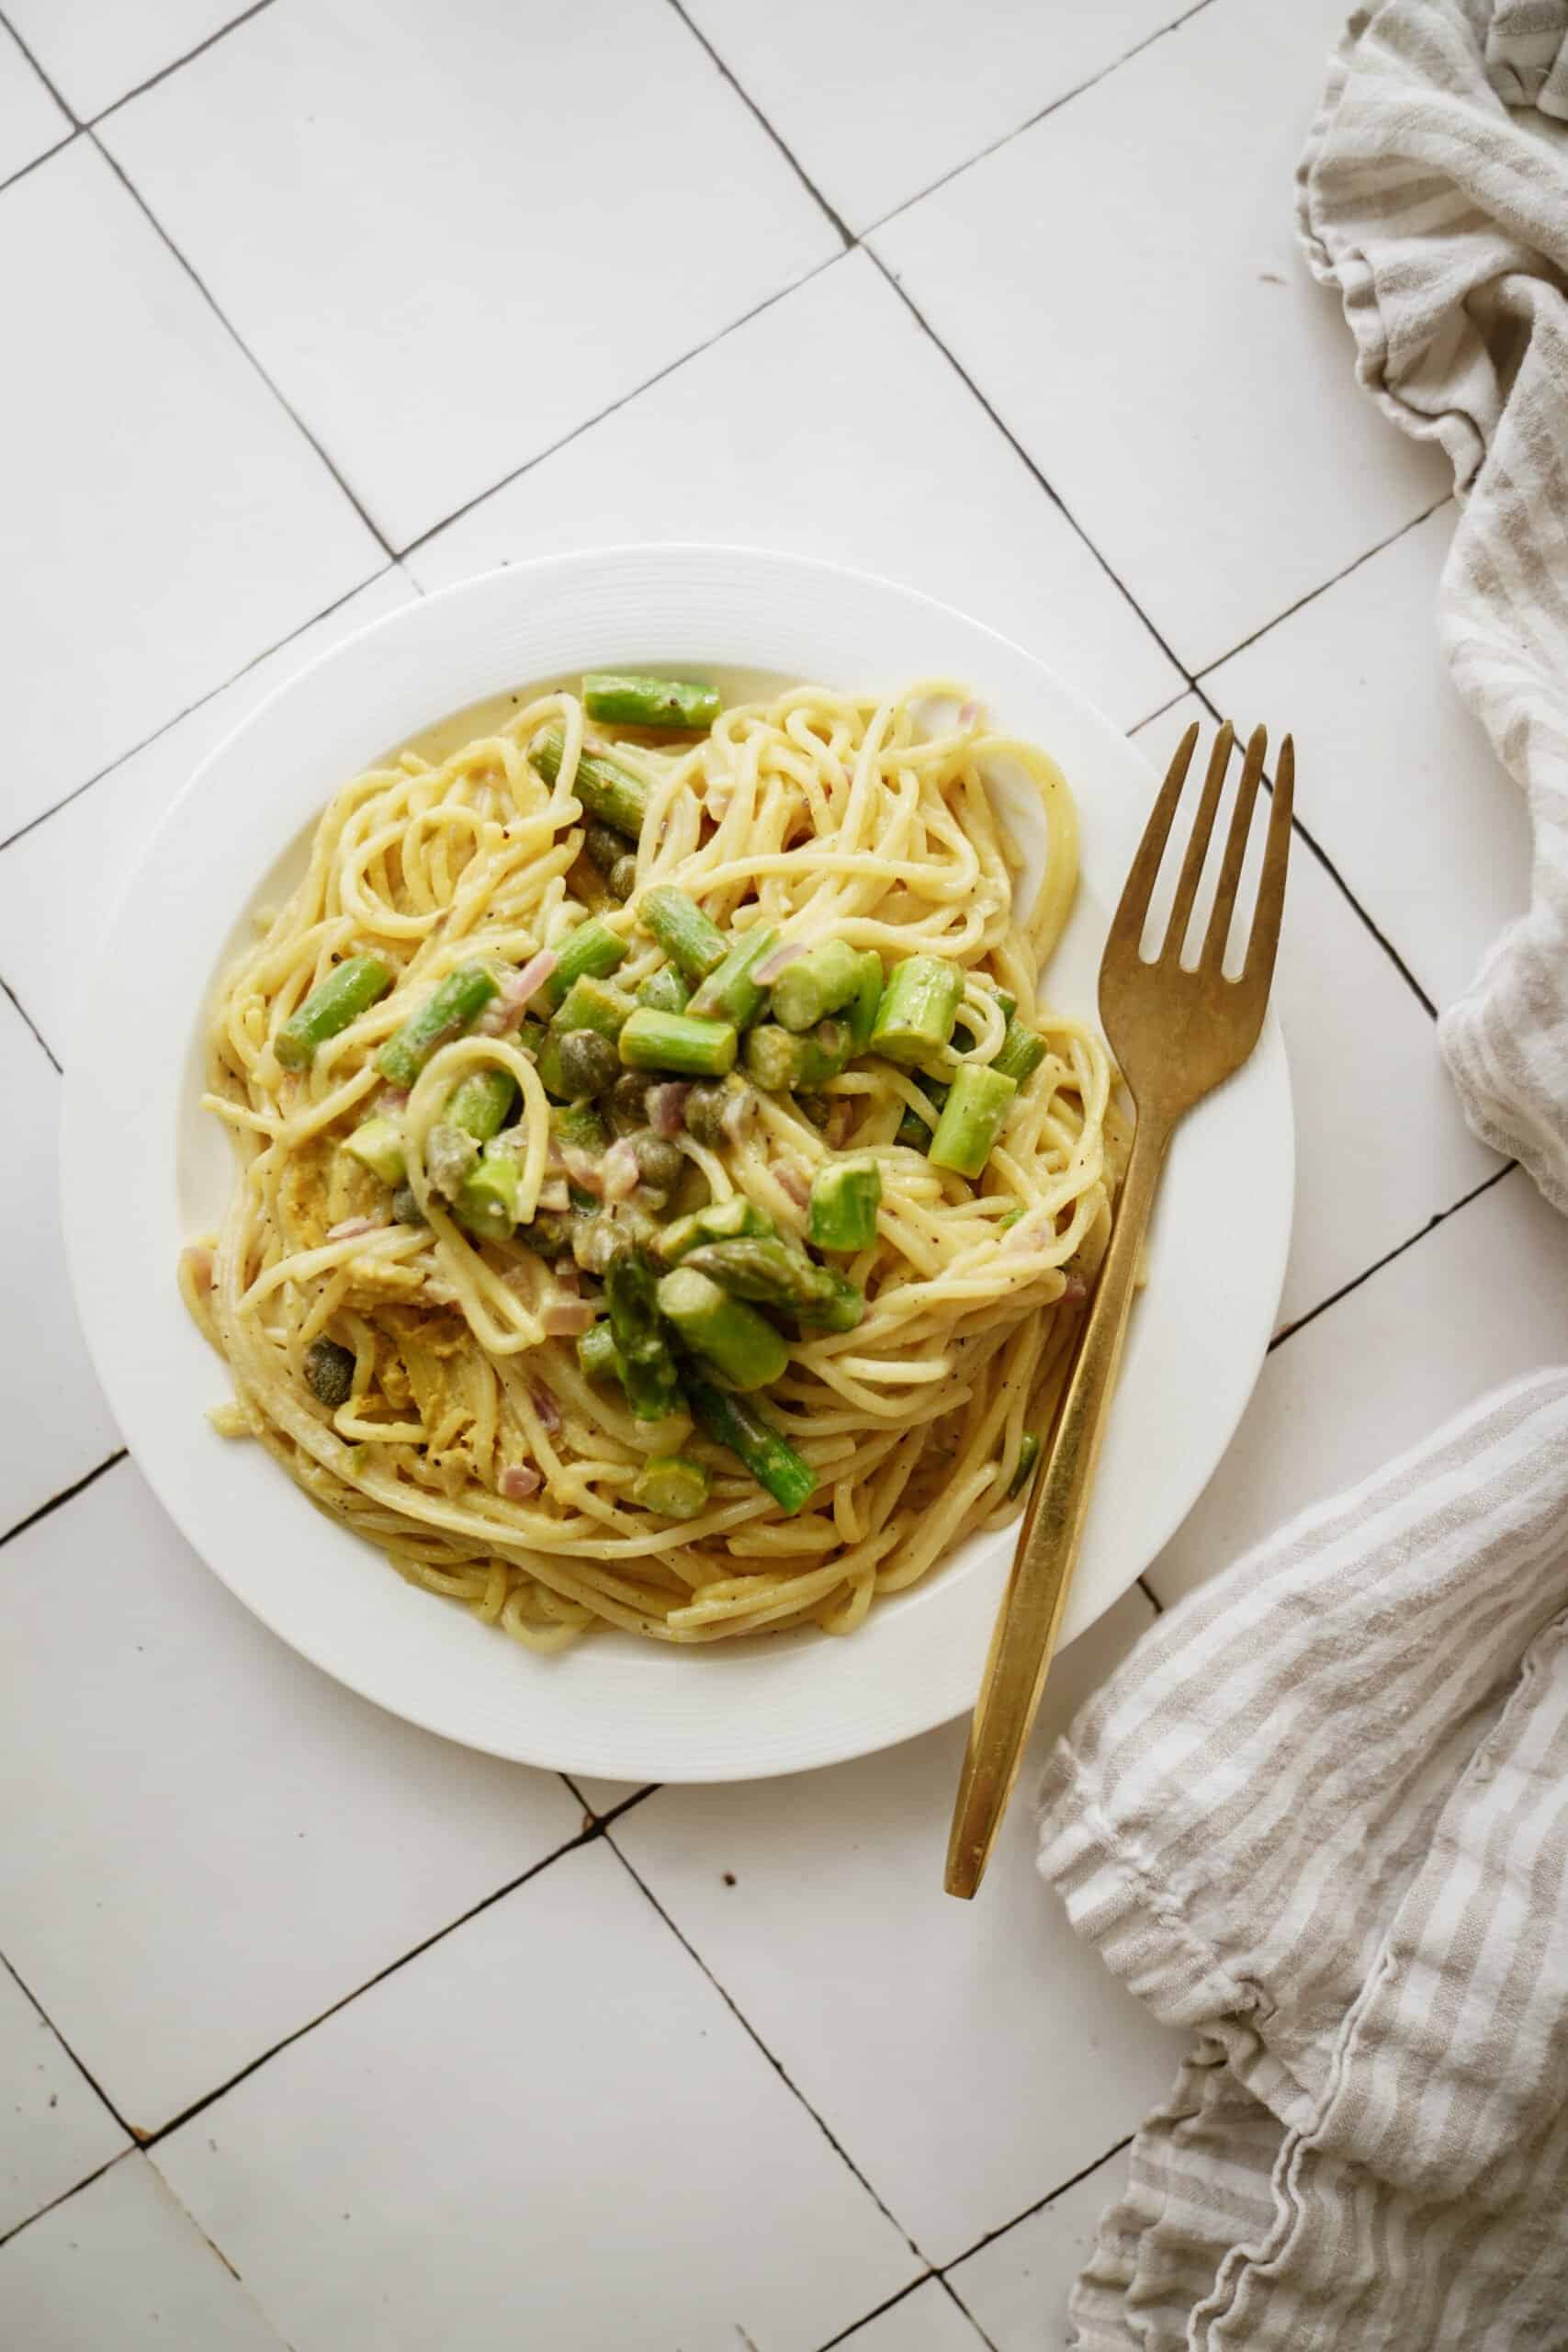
(1433, 195)
(1319, 1819)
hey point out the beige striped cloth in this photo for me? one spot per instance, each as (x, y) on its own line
(1319, 1819)
(1433, 195)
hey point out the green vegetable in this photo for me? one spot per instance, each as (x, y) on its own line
(913, 1131)
(742, 1344)
(607, 790)
(625, 698)
(604, 847)
(593, 951)
(594, 1004)
(1020, 1054)
(1028, 1455)
(780, 1061)
(825, 977)
(598, 1358)
(481, 1102)
(729, 991)
(649, 1371)
(406, 1207)
(719, 1221)
(719, 1111)
(971, 1118)
(377, 1144)
(773, 1273)
(487, 1199)
(846, 1196)
(583, 1062)
(673, 1486)
(449, 1154)
(329, 1373)
(347, 991)
(458, 999)
(919, 1008)
(579, 1124)
(621, 880)
(678, 1042)
(863, 1007)
(664, 991)
(688, 937)
(659, 1159)
(628, 1102)
(769, 1456)
(550, 1235)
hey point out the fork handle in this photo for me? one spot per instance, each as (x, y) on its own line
(1030, 1613)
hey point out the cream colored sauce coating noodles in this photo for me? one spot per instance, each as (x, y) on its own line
(822, 815)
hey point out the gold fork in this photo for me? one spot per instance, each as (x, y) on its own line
(1176, 1034)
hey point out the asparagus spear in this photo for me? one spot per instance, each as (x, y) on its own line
(649, 1368)
(1020, 1054)
(487, 1198)
(377, 1144)
(825, 977)
(863, 1007)
(628, 698)
(664, 991)
(778, 1061)
(673, 1486)
(742, 1343)
(446, 1013)
(678, 1042)
(579, 1124)
(971, 1118)
(607, 790)
(594, 1004)
(770, 1457)
(729, 991)
(597, 1357)
(720, 1221)
(593, 951)
(1028, 1455)
(919, 1008)
(846, 1196)
(349, 989)
(688, 937)
(481, 1102)
(771, 1273)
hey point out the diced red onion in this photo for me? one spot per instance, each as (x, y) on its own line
(768, 970)
(738, 1114)
(554, 1196)
(1023, 1236)
(518, 1481)
(667, 1107)
(621, 1173)
(546, 1407)
(439, 1294)
(391, 1098)
(352, 1226)
(502, 1010)
(585, 1168)
(563, 1319)
(792, 1180)
(568, 1278)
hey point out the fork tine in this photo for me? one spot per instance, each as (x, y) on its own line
(1127, 923)
(1198, 845)
(1258, 968)
(1218, 935)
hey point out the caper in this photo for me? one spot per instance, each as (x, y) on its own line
(329, 1373)
(589, 1063)
(658, 1160)
(604, 847)
(406, 1207)
(622, 878)
(628, 1102)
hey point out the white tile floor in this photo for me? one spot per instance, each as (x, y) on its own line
(334, 305)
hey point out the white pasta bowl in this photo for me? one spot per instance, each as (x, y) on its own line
(612, 1705)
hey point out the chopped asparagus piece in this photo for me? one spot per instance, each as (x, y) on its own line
(1020, 1054)
(1028, 1455)
(825, 977)
(678, 1042)
(579, 1124)
(769, 1456)
(377, 1144)
(780, 1061)
(583, 1062)
(593, 951)
(598, 1358)
(863, 1007)
(719, 1221)
(628, 698)
(631, 1288)
(351, 989)
(595, 1004)
(449, 1154)
(688, 937)
(1008, 1003)
(913, 1131)
(919, 1008)
(487, 1200)
(664, 991)
(729, 991)
(773, 1273)
(481, 1102)
(742, 1344)
(673, 1486)
(607, 790)
(971, 1118)
(329, 1373)
(448, 1010)
(846, 1196)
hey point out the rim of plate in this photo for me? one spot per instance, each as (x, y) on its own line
(613, 1706)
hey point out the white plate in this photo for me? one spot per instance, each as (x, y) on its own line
(613, 1706)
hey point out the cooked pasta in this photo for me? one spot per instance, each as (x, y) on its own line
(664, 1202)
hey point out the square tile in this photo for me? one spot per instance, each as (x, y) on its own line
(81, 852)
(1481, 1301)
(1382, 1145)
(54, 2129)
(549, 2128)
(30, 121)
(122, 2266)
(927, 2321)
(966, 2056)
(782, 436)
(1018, 2285)
(451, 235)
(949, 83)
(56, 1420)
(1406, 795)
(217, 1842)
(170, 520)
(93, 54)
(1181, 383)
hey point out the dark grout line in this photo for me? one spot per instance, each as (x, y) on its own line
(951, 2292)
(806, 182)
(1053, 106)
(239, 344)
(847, 2335)
(1323, 587)
(20, 174)
(836, 2144)
(1439, 1217)
(1039, 2205)
(175, 64)
(67, 2194)
(66, 1495)
(88, 2076)
(24, 1015)
(58, 95)
(1182, 691)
